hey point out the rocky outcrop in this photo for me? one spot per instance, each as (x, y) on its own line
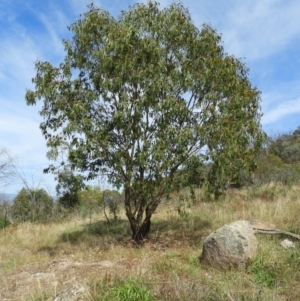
(230, 246)
(74, 292)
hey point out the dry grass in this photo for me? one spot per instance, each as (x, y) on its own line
(37, 261)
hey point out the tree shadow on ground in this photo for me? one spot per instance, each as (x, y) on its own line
(177, 232)
(100, 229)
(163, 234)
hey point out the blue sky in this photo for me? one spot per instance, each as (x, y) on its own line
(264, 33)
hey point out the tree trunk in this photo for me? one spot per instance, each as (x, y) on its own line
(140, 227)
(107, 219)
(140, 231)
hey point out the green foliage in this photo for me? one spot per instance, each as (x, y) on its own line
(294, 257)
(113, 199)
(185, 201)
(5, 213)
(271, 168)
(90, 199)
(193, 173)
(266, 193)
(122, 290)
(287, 147)
(32, 205)
(21, 208)
(282, 161)
(139, 95)
(68, 188)
(263, 273)
(91, 194)
(131, 290)
(4, 221)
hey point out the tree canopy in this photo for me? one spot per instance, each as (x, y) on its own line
(138, 95)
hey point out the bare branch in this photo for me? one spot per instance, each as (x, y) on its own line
(7, 168)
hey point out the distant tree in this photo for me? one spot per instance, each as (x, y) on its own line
(4, 221)
(113, 199)
(21, 208)
(68, 188)
(297, 132)
(91, 200)
(32, 205)
(269, 166)
(279, 160)
(287, 147)
(5, 212)
(91, 195)
(137, 96)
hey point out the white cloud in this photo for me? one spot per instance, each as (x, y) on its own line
(282, 110)
(22, 137)
(55, 41)
(17, 57)
(256, 29)
(21, 133)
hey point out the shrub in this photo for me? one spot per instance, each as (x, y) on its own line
(131, 290)
(4, 221)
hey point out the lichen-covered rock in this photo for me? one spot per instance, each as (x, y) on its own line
(230, 246)
(75, 292)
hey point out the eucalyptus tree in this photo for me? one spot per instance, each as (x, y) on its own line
(136, 96)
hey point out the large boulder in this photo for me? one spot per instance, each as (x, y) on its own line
(230, 246)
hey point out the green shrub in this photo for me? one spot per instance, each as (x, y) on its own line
(32, 205)
(4, 221)
(266, 193)
(131, 290)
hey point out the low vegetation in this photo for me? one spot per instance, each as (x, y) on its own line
(39, 260)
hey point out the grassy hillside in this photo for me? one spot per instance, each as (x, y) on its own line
(38, 260)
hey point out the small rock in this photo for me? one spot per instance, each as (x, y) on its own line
(40, 275)
(286, 243)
